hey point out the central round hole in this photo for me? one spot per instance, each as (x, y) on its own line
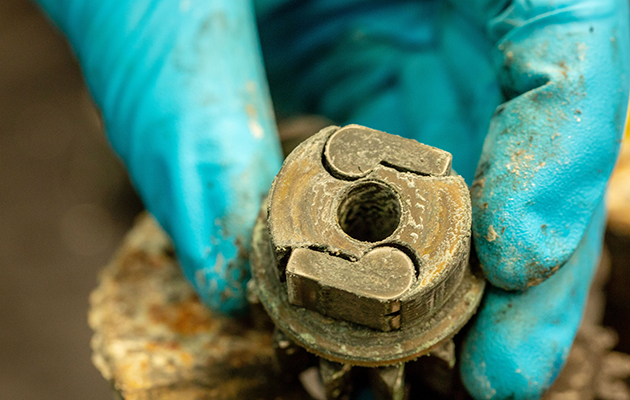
(370, 212)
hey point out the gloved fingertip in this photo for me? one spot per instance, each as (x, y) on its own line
(512, 264)
(516, 257)
(220, 280)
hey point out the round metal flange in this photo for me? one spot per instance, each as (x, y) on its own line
(361, 253)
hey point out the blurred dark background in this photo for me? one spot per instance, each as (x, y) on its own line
(65, 204)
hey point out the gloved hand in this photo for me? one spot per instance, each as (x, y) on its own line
(545, 83)
(185, 103)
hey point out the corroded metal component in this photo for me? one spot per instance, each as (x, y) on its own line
(153, 338)
(364, 291)
(361, 255)
(355, 151)
(336, 378)
(374, 228)
(389, 382)
(290, 359)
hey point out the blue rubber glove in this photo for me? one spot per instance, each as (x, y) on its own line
(184, 99)
(544, 83)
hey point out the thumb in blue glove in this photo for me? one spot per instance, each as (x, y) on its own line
(182, 90)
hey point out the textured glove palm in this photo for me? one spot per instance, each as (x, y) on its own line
(536, 90)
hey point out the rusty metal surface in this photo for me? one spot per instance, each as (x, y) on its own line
(390, 295)
(153, 339)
